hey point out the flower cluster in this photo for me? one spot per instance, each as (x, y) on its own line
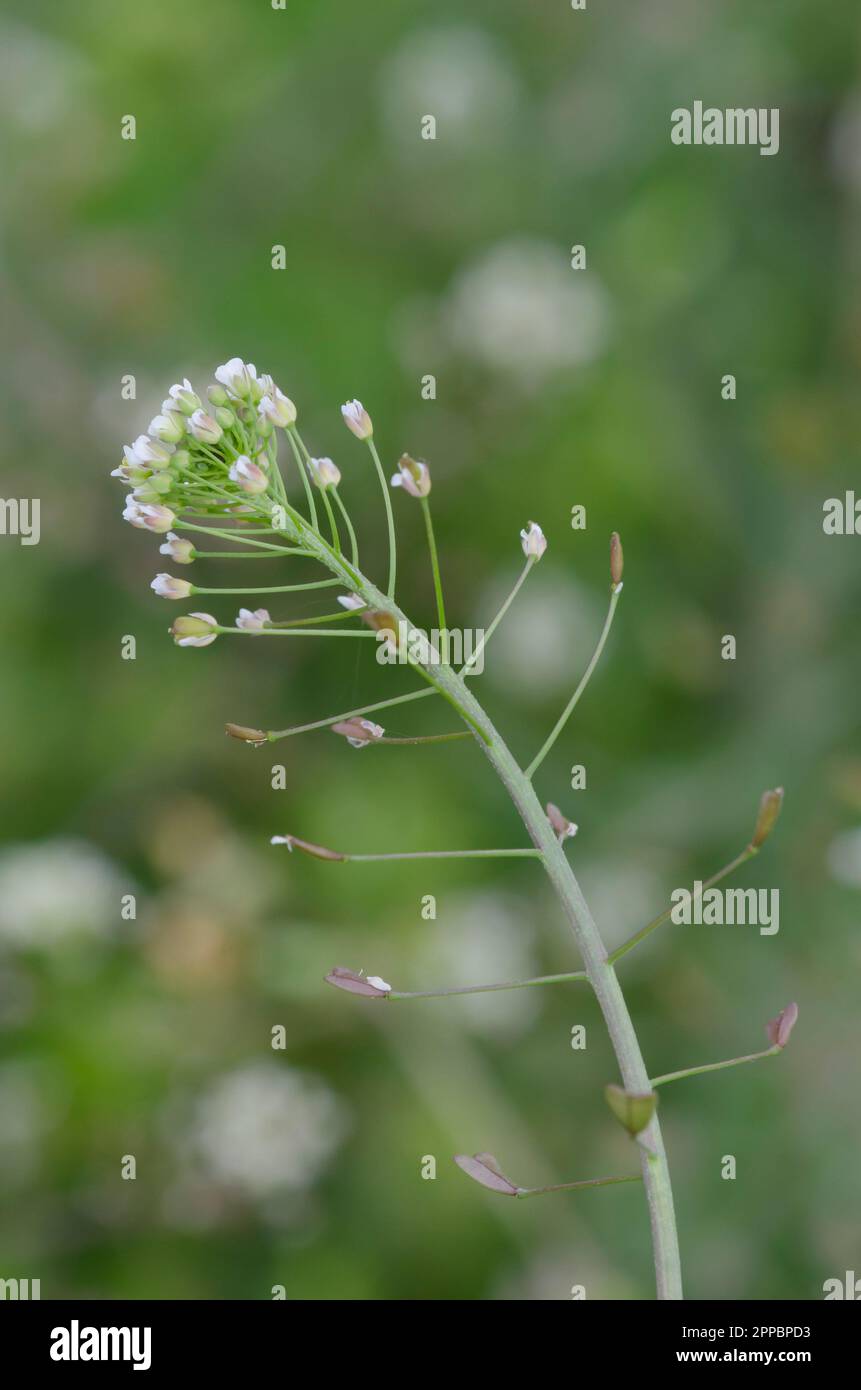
(207, 461)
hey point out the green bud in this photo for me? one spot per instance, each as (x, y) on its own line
(225, 417)
(217, 395)
(769, 810)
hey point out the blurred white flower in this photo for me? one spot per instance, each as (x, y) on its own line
(490, 940)
(265, 1129)
(844, 858)
(461, 77)
(57, 889)
(521, 310)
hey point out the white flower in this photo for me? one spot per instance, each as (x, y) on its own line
(169, 427)
(179, 550)
(195, 630)
(240, 378)
(167, 587)
(182, 396)
(151, 453)
(265, 1128)
(351, 601)
(324, 472)
(357, 419)
(248, 475)
(148, 516)
(534, 541)
(57, 889)
(378, 983)
(204, 428)
(277, 408)
(413, 476)
(358, 732)
(253, 622)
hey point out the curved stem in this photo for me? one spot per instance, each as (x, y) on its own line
(569, 708)
(390, 519)
(656, 922)
(465, 670)
(434, 558)
(715, 1066)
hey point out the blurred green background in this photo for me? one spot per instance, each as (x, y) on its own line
(407, 257)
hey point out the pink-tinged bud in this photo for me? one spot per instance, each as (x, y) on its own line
(358, 732)
(351, 601)
(565, 828)
(256, 737)
(167, 587)
(769, 810)
(169, 427)
(382, 622)
(324, 472)
(779, 1029)
(149, 516)
(149, 453)
(240, 378)
(277, 408)
(182, 397)
(131, 473)
(357, 419)
(633, 1110)
(248, 621)
(533, 541)
(249, 476)
(316, 851)
(413, 476)
(484, 1169)
(617, 561)
(204, 428)
(371, 986)
(195, 630)
(179, 550)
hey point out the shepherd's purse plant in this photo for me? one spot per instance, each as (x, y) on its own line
(207, 479)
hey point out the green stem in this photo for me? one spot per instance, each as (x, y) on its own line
(444, 854)
(276, 589)
(569, 708)
(325, 618)
(665, 916)
(306, 481)
(427, 738)
(487, 989)
(289, 632)
(574, 1186)
(434, 558)
(714, 1066)
(390, 519)
(354, 544)
(240, 540)
(465, 670)
(274, 734)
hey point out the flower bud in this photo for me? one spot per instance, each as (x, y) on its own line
(632, 1110)
(357, 419)
(316, 851)
(239, 377)
(371, 986)
(217, 395)
(358, 732)
(351, 601)
(151, 453)
(158, 484)
(565, 828)
(256, 737)
(194, 630)
(181, 459)
(248, 475)
(129, 473)
(148, 516)
(779, 1029)
(769, 810)
(533, 541)
(146, 493)
(169, 427)
(277, 408)
(484, 1169)
(248, 621)
(204, 428)
(324, 472)
(617, 561)
(181, 551)
(182, 397)
(224, 417)
(167, 587)
(413, 476)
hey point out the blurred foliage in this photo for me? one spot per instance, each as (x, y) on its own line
(602, 387)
